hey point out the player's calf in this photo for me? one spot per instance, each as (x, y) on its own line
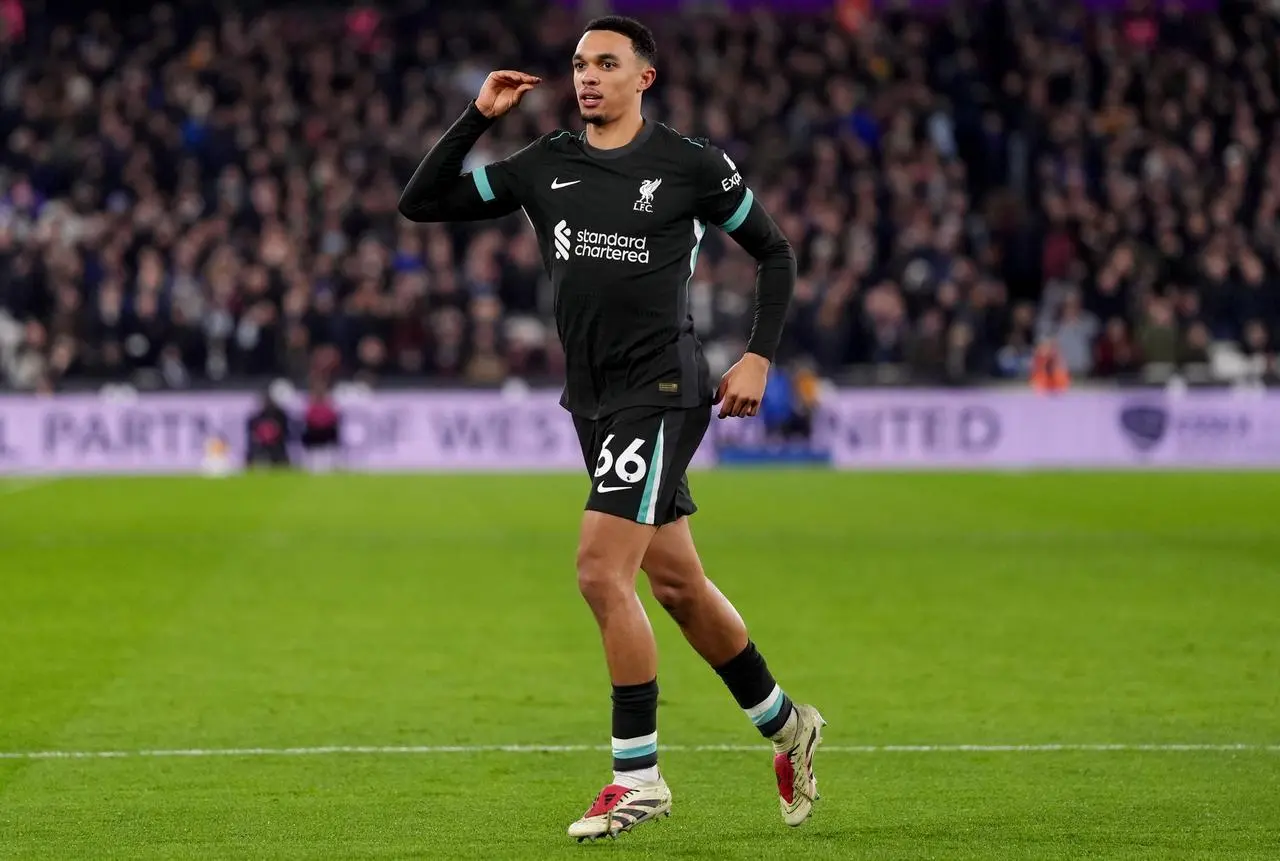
(706, 618)
(716, 630)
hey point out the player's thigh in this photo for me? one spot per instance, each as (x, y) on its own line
(640, 463)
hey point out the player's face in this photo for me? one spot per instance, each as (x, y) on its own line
(608, 77)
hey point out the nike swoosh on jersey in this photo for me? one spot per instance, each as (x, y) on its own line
(556, 183)
(603, 489)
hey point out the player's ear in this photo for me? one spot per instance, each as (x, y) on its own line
(646, 78)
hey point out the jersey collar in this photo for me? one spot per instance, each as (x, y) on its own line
(646, 132)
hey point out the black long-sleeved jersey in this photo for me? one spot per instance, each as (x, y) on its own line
(619, 231)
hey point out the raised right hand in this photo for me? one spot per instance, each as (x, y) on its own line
(502, 91)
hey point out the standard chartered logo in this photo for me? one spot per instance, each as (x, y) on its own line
(562, 240)
(600, 246)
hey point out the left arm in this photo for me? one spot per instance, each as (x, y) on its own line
(726, 201)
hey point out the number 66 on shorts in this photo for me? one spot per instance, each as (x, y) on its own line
(629, 466)
(637, 460)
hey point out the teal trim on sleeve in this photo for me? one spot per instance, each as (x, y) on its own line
(739, 214)
(482, 184)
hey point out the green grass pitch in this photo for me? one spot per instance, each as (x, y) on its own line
(293, 611)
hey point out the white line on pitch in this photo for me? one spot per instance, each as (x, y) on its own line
(677, 748)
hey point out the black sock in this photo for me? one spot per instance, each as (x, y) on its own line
(635, 726)
(753, 686)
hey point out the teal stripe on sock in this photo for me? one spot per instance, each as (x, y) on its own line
(633, 752)
(772, 713)
(739, 214)
(482, 184)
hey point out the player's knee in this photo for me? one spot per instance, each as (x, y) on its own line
(674, 597)
(676, 591)
(600, 579)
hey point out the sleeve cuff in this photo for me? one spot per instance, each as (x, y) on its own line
(473, 114)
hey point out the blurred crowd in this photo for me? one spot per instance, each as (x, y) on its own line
(195, 195)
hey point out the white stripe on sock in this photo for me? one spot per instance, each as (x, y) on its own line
(762, 708)
(638, 741)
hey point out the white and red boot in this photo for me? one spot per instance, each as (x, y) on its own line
(621, 808)
(793, 764)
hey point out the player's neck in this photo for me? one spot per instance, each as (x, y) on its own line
(618, 133)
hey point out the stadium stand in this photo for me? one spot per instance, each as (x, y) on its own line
(191, 198)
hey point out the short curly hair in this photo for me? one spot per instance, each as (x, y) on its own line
(642, 41)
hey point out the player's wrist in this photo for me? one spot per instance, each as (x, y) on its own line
(474, 107)
(753, 357)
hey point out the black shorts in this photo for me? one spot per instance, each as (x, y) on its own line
(637, 459)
